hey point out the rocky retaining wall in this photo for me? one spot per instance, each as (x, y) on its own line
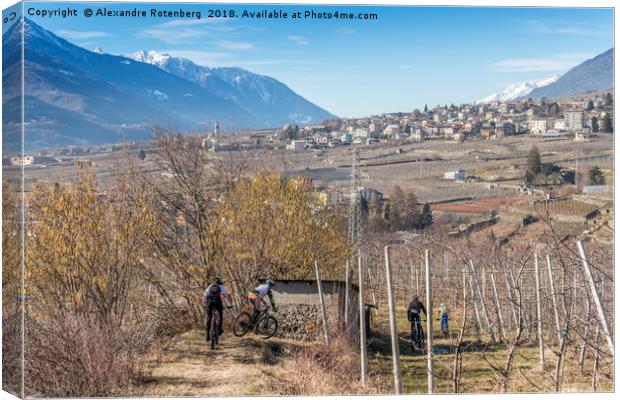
(299, 321)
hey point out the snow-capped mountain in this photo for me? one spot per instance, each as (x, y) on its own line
(266, 99)
(517, 90)
(78, 96)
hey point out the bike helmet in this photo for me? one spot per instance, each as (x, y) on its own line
(270, 282)
(218, 280)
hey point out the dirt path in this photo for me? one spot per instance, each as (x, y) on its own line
(188, 367)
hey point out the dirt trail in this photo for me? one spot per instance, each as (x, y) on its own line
(188, 367)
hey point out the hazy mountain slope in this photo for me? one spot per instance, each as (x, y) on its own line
(591, 75)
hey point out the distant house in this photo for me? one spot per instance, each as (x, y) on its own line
(25, 160)
(456, 175)
(296, 145)
(537, 126)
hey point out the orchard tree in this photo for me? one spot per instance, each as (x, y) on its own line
(596, 176)
(608, 126)
(533, 161)
(594, 124)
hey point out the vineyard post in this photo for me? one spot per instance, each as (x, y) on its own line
(475, 304)
(498, 307)
(322, 300)
(484, 307)
(541, 344)
(512, 300)
(596, 298)
(393, 328)
(429, 321)
(553, 300)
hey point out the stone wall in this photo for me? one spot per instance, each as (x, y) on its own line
(299, 321)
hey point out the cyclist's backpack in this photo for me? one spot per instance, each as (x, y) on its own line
(213, 293)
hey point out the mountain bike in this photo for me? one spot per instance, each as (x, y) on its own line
(215, 323)
(417, 335)
(264, 324)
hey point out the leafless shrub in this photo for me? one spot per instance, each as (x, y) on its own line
(78, 356)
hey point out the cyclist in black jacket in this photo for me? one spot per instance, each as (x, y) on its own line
(413, 312)
(211, 301)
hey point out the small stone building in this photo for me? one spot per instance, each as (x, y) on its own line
(299, 307)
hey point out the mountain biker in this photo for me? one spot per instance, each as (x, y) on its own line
(257, 295)
(413, 312)
(212, 300)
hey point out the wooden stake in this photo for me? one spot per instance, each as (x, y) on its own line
(541, 344)
(511, 298)
(476, 313)
(393, 328)
(596, 297)
(363, 358)
(323, 310)
(553, 300)
(429, 322)
(484, 307)
(498, 308)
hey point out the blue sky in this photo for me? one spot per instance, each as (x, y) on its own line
(408, 57)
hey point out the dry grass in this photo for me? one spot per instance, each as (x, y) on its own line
(319, 370)
(477, 375)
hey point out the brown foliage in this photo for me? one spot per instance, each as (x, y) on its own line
(78, 356)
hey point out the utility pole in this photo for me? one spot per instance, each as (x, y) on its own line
(393, 329)
(596, 297)
(363, 358)
(354, 227)
(429, 322)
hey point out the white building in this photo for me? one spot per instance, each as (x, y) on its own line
(363, 133)
(456, 175)
(26, 160)
(559, 125)
(296, 145)
(573, 120)
(391, 130)
(537, 126)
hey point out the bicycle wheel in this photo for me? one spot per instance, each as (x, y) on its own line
(214, 332)
(242, 324)
(421, 339)
(267, 327)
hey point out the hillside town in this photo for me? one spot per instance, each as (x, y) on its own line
(570, 118)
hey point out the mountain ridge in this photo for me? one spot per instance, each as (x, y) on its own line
(591, 75)
(517, 90)
(107, 97)
(266, 98)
